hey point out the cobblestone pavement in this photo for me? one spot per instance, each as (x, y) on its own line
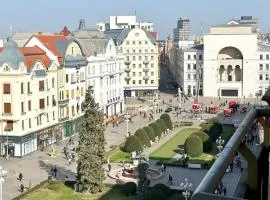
(36, 167)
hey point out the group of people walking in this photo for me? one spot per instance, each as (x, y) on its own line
(22, 187)
(69, 151)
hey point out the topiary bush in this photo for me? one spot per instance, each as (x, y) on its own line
(155, 194)
(161, 124)
(167, 119)
(194, 146)
(164, 188)
(143, 137)
(156, 129)
(202, 135)
(150, 132)
(133, 144)
(130, 188)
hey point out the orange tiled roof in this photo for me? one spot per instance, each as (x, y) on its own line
(49, 41)
(33, 55)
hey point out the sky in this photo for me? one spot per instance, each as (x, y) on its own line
(53, 15)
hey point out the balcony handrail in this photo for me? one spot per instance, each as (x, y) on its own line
(216, 172)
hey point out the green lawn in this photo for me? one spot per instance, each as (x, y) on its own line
(119, 156)
(170, 148)
(58, 191)
(204, 157)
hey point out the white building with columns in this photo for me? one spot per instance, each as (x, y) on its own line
(105, 70)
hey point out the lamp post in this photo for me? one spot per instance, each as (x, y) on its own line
(180, 98)
(3, 173)
(127, 118)
(155, 109)
(186, 186)
(220, 142)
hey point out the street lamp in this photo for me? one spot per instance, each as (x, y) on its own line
(155, 109)
(220, 142)
(180, 98)
(3, 173)
(127, 118)
(186, 186)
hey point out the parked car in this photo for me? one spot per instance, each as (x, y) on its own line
(168, 110)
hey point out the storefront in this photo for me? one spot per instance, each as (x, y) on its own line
(13, 146)
(72, 127)
(46, 137)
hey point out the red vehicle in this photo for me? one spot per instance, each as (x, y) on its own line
(214, 108)
(197, 108)
(227, 112)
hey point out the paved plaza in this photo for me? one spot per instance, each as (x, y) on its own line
(36, 167)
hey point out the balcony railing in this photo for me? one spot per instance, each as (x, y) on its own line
(146, 78)
(127, 62)
(63, 101)
(127, 69)
(256, 182)
(64, 119)
(147, 69)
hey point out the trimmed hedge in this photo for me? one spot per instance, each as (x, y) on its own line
(133, 144)
(194, 146)
(161, 124)
(156, 129)
(143, 137)
(150, 132)
(202, 135)
(167, 119)
(155, 194)
(130, 188)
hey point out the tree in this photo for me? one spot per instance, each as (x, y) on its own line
(133, 144)
(150, 132)
(167, 120)
(161, 124)
(202, 135)
(143, 182)
(156, 129)
(91, 147)
(193, 146)
(143, 137)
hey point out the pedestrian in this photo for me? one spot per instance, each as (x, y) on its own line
(241, 169)
(69, 161)
(170, 179)
(117, 123)
(20, 176)
(55, 171)
(164, 168)
(22, 188)
(224, 191)
(109, 167)
(231, 166)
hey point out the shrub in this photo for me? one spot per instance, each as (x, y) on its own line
(150, 132)
(202, 135)
(215, 131)
(156, 129)
(167, 119)
(164, 188)
(161, 124)
(207, 145)
(133, 144)
(130, 188)
(182, 123)
(193, 146)
(143, 137)
(155, 194)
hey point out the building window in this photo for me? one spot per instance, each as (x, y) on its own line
(29, 121)
(28, 88)
(146, 42)
(140, 58)
(48, 117)
(261, 66)
(41, 85)
(140, 73)
(134, 73)
(133, 42)
(140, 51)
(267, 56)
(7, 108)
(266, 77)
(152, 57)
(133, 58)
(152, 81)
(152, 73)
(66, 78)
(188, 57)
(188, 66)
(200, 57)
(194, 66)
(133, 82)
(134, 51)
(48, 103)
(22, 107)
(146, 58)
(188, 76)
(52, 82)
(146, 81)
(140, 81)
(267, 66)
(261, 56)
(152, 65)
(22, 125)
(47, 84)
(29, 105)
(133, 65)
(127, 42)
(53, 115)
(21, 88)
(140, 65)
(127, 58)
(41, 103)
(152, 50)
(194, 76)
(6, 88)
(260, 77)
(194, 57)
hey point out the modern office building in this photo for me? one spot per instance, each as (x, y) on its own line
(182, 31)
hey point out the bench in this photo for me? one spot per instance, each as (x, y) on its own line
(194, 166)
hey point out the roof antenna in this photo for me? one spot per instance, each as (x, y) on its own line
(10, 31)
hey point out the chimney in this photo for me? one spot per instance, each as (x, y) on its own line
(82, 24)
